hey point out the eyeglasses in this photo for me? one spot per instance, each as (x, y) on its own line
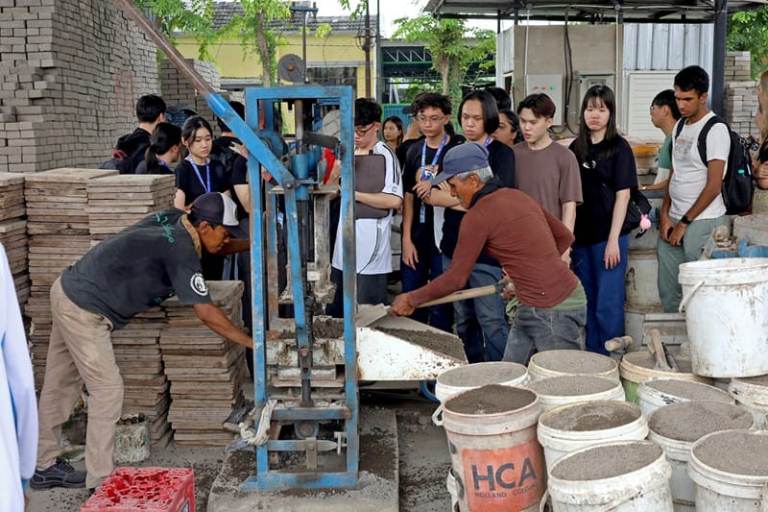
(430, 119)
(362, 130)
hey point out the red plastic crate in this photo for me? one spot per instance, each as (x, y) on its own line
(145, 490)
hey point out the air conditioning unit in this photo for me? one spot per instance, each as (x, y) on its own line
(551, 85)
(588, 80)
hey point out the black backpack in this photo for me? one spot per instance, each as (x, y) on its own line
(738, 186)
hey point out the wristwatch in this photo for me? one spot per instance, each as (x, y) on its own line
(685, 220)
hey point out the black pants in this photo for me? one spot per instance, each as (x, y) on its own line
(371, 289)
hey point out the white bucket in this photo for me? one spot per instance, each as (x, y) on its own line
(572, 427)
(554, 363)
(726, 313)
(497, 462)
(568, 389)
(656, 393)
(752, 394)
(730, 470)
(581, 482)
(676, 427)
(638, 367)
(640, 281)
(457, 380)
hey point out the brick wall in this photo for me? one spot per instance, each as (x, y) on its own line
(70, 74)
(178, 91)
(740, 93)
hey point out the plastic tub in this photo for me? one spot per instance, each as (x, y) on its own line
(657, 393)
(752, 394)
(638, 367)
(555, 363)
(568, 389)
(458, 380)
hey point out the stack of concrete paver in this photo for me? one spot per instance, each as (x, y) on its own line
(117, 202)
(13, 230)
(177, 90)
(206, 371)
(137, 352)
(57, 225)
(740, 93)
(738, 66)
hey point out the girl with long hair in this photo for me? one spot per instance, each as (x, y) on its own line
(392, 132)
(163, 152)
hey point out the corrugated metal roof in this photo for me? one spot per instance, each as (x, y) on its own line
(226, 11)
(637, 11)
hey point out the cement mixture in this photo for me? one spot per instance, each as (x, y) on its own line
(574, 361)
(607, 461)
(582, 417)
(688, 390)
(690, 421)
(493, 399)
(572, 385)
(646, 360)
(436, 342)
(742, 453)
(482, 374)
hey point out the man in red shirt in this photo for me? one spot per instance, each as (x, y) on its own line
(526, 240)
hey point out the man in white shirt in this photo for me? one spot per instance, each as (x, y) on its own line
(372, 235)
(693, 204)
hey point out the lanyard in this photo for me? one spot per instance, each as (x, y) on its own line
(488, 141)
(207, 187)
(427, 174)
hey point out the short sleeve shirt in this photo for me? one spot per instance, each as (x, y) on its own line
(689, 176)
(138, 269)
(550, 176)
(372, 236)
(603, 173)
(194, 185)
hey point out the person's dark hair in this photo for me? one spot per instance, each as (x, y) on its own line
(367, 111)
(431, 100)
(165, 136)
(239, 108)
(540, 104)
(514, 124)
(149, 108)
(397, 122)
(666, 98)
(692, 78)
(503, 100)
(595, 95)
(490, 111)
(191, 126)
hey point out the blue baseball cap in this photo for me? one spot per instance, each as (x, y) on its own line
(466, 157)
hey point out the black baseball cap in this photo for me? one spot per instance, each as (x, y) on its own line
(216, 208)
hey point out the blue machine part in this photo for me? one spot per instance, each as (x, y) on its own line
(297, 183)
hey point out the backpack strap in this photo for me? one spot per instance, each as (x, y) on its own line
(702, 143)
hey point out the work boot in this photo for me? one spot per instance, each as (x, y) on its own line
(61, 474)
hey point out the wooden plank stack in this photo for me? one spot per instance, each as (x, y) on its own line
(13, 230)
(117, 202)
(137, 352)
(57, 225)
(206, 371)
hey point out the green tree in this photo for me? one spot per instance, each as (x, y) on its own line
(748, 31)
(194, 18)
(256, 32)
(453, 47)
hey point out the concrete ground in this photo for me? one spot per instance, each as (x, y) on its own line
(422, 459)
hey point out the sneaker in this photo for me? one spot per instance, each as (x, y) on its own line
(61, 474)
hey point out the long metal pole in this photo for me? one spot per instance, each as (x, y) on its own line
(367, 49)
(718, 57)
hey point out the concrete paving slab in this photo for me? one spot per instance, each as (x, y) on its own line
(377, 491)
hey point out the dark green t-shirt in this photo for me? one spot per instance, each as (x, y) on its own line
(138, 269)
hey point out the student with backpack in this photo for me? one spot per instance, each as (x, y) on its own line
(693, 203)
(164, 150)
(130, 149)
(608, 177)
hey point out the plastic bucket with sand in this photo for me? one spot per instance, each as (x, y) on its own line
(457, 380)
(572, 427)
(676, 427)
(730, 469)
(752, 394)
(497, 462)
(657, 393)
(554, 363)
(568, 389)
(726, 315)
(616, 477)
(638, 367)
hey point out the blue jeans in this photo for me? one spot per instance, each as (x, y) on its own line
(540, 329)
(428, 268)
(605, 291)
(482, 323)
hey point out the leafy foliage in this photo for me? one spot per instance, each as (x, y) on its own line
(748, 31)
(194, 18)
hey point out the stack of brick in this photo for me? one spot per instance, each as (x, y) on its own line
(137, 353)
(57, 225)
(206, 371)
(117, 202)
(178, 92)
(13, 231)
(740, 93)
(70, 73)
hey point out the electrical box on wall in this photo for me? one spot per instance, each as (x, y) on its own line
(588, 80)
(552, 86)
